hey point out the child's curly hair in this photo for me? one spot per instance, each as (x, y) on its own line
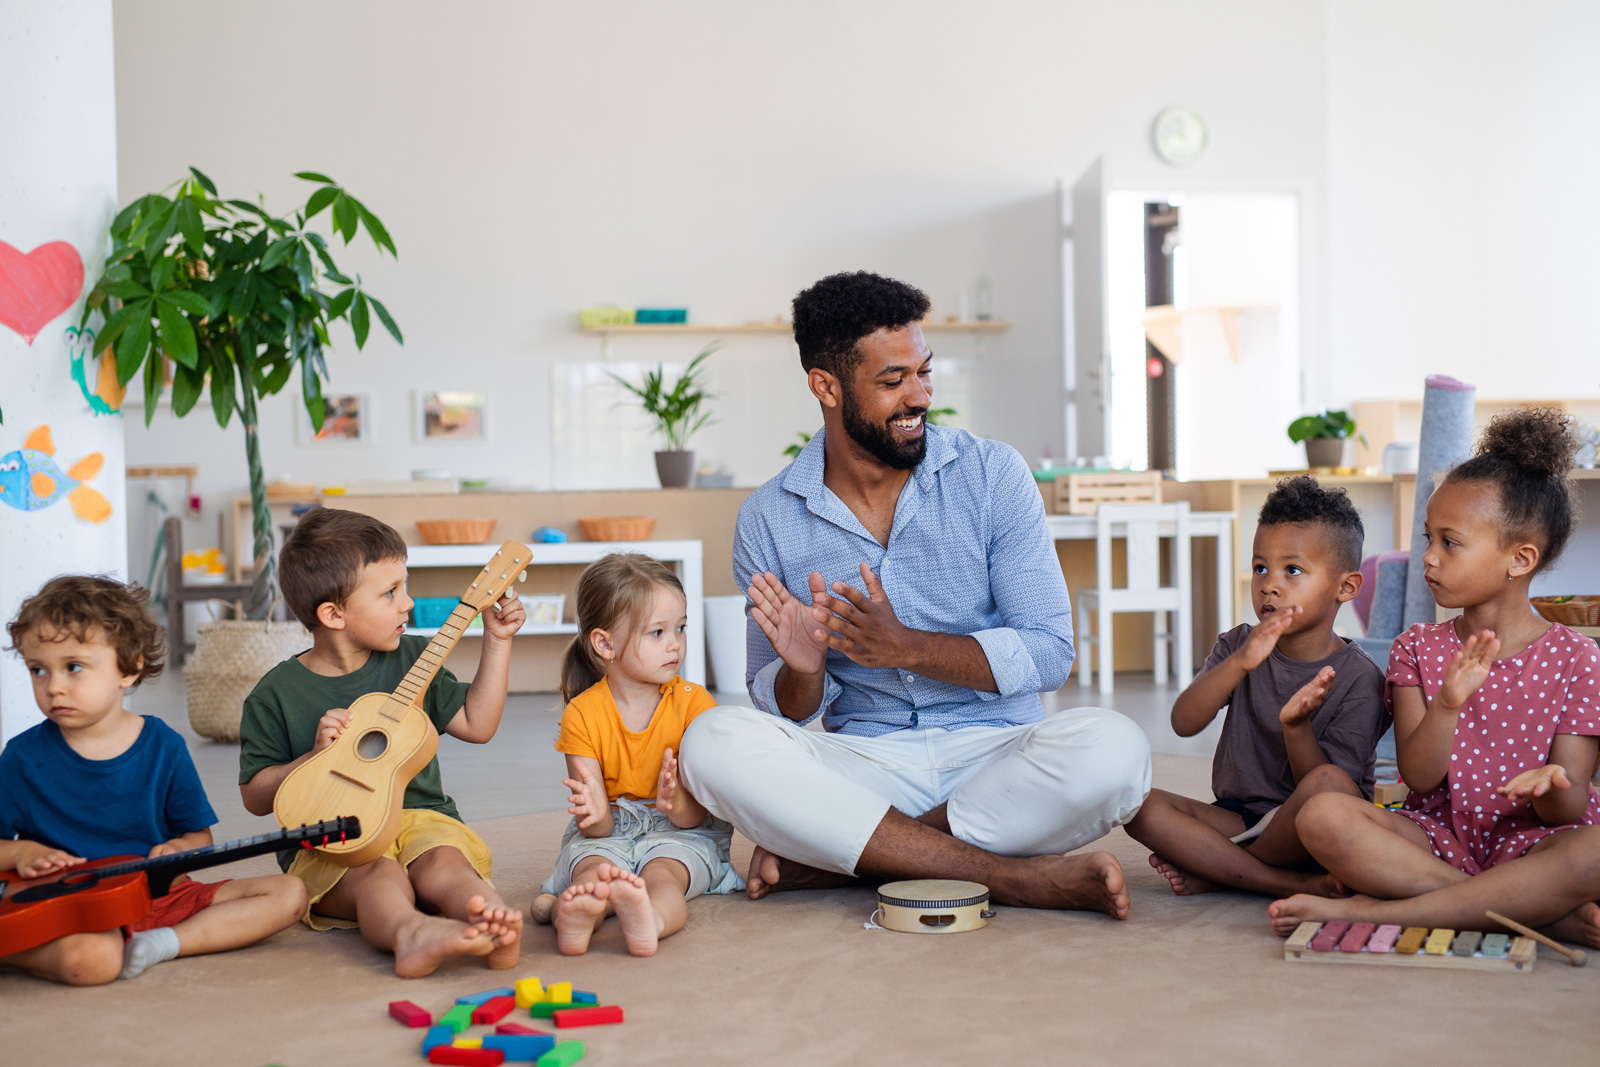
(1525, 455)
(75, 604)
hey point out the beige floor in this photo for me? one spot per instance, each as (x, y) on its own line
(797, 980)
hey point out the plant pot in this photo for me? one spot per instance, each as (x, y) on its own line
(1324, 452)
(675, 469)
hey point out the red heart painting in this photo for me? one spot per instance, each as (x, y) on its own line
(37, 286)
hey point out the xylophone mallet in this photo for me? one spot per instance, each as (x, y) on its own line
(1575, 956)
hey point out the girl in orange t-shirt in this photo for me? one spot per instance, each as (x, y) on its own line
(639, 846)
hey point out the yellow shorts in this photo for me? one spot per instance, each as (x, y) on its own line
(421, 829)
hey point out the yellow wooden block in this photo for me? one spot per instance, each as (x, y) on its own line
(468, 1042)
(529, 992)
(1439, 942)
(560, 993)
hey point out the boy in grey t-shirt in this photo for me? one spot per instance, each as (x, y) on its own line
(1305, 710)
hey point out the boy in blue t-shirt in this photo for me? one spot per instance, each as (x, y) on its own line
(95, 780)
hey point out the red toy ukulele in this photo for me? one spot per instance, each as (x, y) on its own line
(116, 891)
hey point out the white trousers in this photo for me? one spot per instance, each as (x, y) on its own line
(1032, 790)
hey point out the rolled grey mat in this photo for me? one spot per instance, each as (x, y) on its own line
(1447, 409)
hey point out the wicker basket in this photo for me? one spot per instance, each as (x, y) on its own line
(1569, 610)
(229, 659)
(617, 527)
(455, 531)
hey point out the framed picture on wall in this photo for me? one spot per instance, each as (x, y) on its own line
(346, 419)
(445, 415)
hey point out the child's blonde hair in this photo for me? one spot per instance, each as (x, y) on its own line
(613, 592)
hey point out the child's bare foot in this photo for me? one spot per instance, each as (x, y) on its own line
(1581, 927)
(1182, 882)
(578, 911)
(1285, 915)
(422, 946)
(542, 906)
(641, 926)
(505, 929)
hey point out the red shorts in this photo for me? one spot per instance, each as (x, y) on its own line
(186, 899)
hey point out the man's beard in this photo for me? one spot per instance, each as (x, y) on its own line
(879, 440)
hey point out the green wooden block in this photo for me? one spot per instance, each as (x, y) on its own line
(457, 1018)
(564, 1054)
(546, 1009)
(1495, 946)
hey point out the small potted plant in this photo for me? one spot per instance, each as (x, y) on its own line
(676, 411)
(1324, 436)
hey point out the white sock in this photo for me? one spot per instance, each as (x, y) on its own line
(147, 948)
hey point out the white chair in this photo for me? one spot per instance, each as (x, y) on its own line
(1142, 526)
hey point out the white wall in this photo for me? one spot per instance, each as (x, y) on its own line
(58, 159)
(1463, 160)
(533, 158)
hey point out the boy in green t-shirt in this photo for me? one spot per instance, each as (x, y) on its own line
(344, 577)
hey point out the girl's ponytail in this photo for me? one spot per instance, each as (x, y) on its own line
(579, 670)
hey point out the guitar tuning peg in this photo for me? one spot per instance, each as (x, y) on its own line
(523, 576)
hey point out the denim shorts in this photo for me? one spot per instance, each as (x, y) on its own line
(640, 834)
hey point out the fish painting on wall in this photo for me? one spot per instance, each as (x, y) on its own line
(30, 479)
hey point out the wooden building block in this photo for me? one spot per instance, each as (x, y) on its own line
(590, 1016)
(409, 1013)
(528, 992)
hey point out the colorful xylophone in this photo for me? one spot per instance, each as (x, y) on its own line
(1414, 946)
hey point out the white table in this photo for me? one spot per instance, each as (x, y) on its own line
(1218, 524)
(687, 555)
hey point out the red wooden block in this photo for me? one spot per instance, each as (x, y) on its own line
(1327, 939)
(409, 1013)
(518, 1028)
(466, 1057)
(1356, 937)
(493, 1009)
(608, 1013)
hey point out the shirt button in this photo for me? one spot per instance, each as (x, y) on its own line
(910, 678)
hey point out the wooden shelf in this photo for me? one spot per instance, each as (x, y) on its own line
(970, 326)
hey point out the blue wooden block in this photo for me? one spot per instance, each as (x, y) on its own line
(520, 1047)
(479, 998)
(437, 1035)
(580, 997)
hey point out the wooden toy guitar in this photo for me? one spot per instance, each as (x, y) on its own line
(390, 738)
(116, 891)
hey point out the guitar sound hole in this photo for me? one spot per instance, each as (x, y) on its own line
(372, 744)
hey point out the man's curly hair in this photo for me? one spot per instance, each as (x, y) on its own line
(841, 309)
(81, 604)
(1302, 499)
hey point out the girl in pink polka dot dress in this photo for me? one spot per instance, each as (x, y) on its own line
(1497, 721)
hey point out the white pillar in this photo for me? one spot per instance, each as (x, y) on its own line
(58, 183)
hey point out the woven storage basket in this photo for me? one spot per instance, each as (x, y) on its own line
(455, 531)
(617, 527)
(229, 659)
(1569, 610)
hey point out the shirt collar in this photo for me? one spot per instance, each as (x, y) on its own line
(804, 478)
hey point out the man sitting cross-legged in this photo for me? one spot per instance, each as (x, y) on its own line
(904, 586)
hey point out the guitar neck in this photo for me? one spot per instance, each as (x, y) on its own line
(488, 587)
(169, 867)
(422, 672)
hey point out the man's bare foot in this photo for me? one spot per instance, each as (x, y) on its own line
(641, 926)
(1182, 882)
(422, 946)
(1581, 927)
(770, 873)
(578, 911)
(539, 911)
(1091, 881)
(505, 929)
(1288, 913)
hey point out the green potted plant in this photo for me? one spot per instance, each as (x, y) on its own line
(240, 302)
(1324, 436)
(675, 410)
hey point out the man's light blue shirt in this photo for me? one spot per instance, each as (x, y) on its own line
(969, 553)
